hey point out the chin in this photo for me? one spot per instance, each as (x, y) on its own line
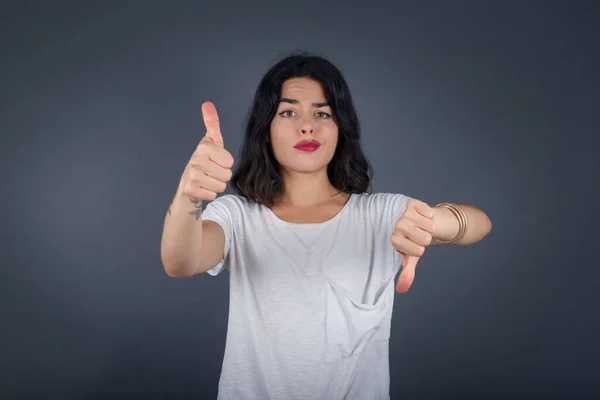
(304, 167)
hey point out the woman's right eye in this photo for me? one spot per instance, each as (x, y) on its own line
(286, 113)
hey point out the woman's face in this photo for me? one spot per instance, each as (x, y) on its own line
(303, 133)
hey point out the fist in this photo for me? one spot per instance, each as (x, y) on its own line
(412, 233)
(209, 168)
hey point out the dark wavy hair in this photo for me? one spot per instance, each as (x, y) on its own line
(257, 175)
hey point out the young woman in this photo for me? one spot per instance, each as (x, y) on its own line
(312, 256)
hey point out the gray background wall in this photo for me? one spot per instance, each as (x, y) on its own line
(489, 103)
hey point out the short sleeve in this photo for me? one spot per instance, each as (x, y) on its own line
(221, 211)
(385, 209)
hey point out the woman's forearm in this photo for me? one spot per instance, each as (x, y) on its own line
(181, 241)
(447, 225)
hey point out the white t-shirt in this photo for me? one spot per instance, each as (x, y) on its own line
(310, 304)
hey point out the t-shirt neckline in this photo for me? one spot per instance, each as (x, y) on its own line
(312, 224)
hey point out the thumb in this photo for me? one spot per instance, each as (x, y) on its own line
(211, 121)
(407, 276)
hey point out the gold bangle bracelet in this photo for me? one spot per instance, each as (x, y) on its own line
(459, 212)
(462, 222)
(462, 219)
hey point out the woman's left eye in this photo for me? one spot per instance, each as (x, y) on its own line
(323, 115)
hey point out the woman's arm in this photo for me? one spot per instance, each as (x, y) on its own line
(421, 225)
(447, 225)
(189, 245)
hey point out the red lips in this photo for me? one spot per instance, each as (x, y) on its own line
(307, 145)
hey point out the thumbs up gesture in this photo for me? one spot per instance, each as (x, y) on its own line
(209, 168)
(412, 233)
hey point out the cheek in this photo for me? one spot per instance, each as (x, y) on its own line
(330, 133)
(280, 138)
(280, 130)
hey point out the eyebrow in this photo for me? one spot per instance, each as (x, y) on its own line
(294, 101)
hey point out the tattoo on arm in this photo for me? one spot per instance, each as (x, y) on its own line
(197, 211)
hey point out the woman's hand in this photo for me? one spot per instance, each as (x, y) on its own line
(209, 168)
(413, 232)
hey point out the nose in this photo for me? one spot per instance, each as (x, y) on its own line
(306, 126)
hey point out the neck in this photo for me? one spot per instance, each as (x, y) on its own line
(306, 189)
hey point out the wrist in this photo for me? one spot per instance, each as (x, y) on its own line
(446, 224)
(460, 219)
(181, 199)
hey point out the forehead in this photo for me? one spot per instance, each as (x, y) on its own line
(303, 89)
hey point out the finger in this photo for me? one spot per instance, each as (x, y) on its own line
(424, 223)
(407, 246)
(424, 209)
(216, 171)
(407, 276)
(199, 193)
(419, 236)
(211, 121)
(209, 183)
(221, 157)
